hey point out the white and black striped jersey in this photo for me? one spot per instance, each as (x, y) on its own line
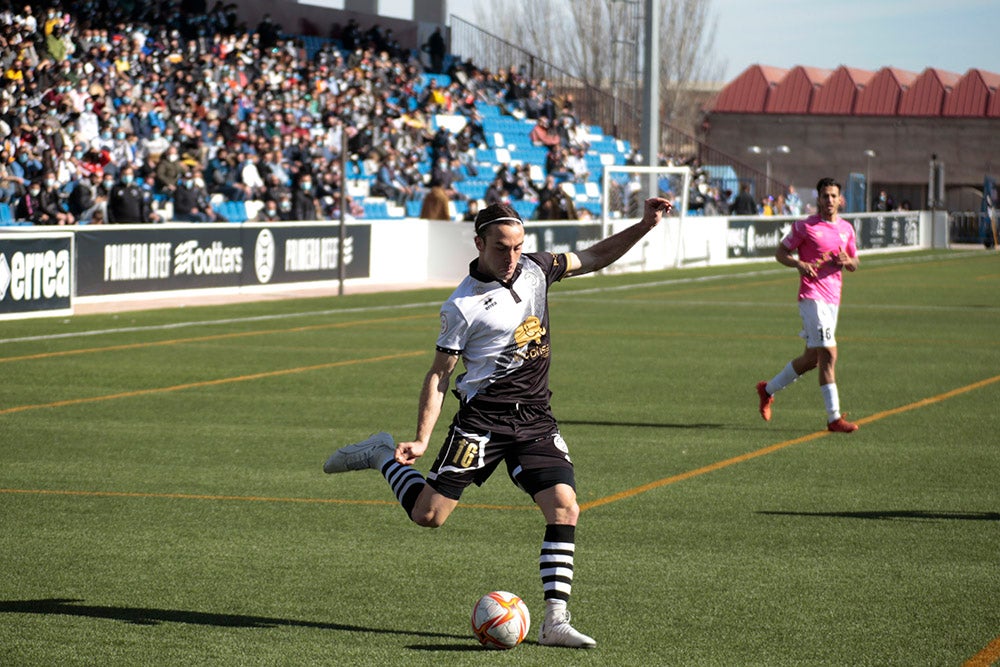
(501, 330)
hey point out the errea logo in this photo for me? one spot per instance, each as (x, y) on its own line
(4, 276)
(32, 276)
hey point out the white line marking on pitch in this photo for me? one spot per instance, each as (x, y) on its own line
(435, 304)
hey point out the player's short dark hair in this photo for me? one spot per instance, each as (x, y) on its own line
(827, 182)
(498, 213)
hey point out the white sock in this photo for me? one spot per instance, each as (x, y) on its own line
(786, 377)
(831, 399)
(554, 606)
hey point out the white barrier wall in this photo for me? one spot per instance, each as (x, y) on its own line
(144, 262)
(434, 251)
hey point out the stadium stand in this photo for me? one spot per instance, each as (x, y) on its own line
(79, 97)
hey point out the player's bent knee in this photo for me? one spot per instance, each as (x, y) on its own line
(432, 509)
(428, 519)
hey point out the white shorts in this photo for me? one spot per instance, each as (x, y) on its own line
(819, 323)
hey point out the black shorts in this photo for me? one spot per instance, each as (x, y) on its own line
(481, 436)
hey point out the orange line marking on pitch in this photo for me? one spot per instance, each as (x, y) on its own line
(712, 467)
(206, 383)
(202, 339)
(623, 495)
(718, 465)
(990, 655)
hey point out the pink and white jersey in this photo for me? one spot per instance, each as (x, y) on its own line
(818, 242)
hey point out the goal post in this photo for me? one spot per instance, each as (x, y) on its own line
(625, 189)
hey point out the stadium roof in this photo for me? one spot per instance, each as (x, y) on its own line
(849, 91)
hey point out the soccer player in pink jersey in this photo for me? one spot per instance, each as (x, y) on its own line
(818, 247)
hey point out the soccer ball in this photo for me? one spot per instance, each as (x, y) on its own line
(500, 620)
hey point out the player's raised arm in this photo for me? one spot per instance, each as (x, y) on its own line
(605, 252)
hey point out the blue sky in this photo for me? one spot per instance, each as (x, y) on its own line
(953, 35)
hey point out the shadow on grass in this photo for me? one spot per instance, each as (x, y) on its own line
(577, 422)
(450, 647)
(900, 515)
(144, 616)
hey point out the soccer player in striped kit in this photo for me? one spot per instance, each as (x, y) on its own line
(824, 244)
(497, 323)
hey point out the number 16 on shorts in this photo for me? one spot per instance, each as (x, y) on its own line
(466, 451)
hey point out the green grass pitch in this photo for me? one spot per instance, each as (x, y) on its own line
(163, 501)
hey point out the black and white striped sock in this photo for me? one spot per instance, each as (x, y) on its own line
(406, 483)
(555, 563)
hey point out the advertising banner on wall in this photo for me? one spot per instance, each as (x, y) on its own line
(886, 230)
(309, 253)
(759, 237)
(120, 260)
(560, 237)
(36, 275)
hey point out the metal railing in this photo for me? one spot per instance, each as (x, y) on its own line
(592, 105)
(688, 149)
(595, 106)
(971, 227)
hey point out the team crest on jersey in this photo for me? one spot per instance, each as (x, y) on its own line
(444, 323)
(529, 330)
(560, 444)
(843, 238)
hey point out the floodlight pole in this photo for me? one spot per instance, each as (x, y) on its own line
(767, 153)
(651, 92)
(869, 154)
(341, 271)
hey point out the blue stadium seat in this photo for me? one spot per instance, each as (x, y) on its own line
(6, 215)
(413, 208)
(376, 210)
(487, 110)
(525, 209)
(238, 211)
(231, 211)
(472, 188)
(442, 80)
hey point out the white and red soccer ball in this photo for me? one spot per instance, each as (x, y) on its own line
(500, 620)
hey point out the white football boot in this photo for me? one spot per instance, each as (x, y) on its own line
(370, 453)
(556, 631)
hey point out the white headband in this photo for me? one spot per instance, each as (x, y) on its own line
(490, 222)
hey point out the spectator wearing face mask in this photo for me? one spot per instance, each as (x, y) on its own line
(305, 205)
(122, 151)
(285, 205)
(154, 146)
(168, 171)
(127, 202)
(191, 201)
(272, 212)
(85, 197)
(88, 124)
(29, 166)
(28, 208)
(46, 205)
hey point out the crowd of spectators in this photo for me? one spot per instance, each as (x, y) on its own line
(136, 112)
